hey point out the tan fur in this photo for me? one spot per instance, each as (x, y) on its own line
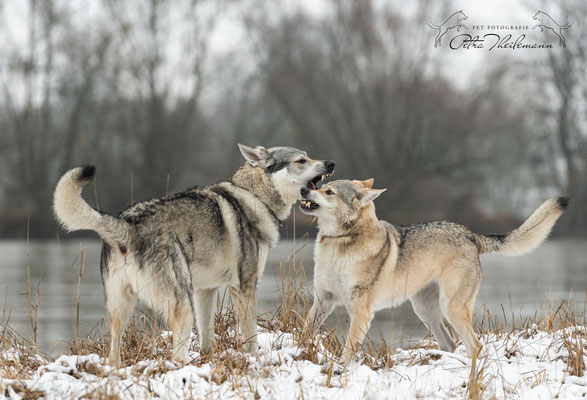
(531, 233)
(366, 264)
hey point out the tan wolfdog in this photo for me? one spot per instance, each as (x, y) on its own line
(367, 264)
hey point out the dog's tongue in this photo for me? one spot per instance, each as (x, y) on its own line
(312, 185)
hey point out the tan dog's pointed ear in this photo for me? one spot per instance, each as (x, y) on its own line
(368, 195)
(367, 184)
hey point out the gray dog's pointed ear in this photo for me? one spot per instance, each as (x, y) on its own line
(257, 157)
(368, 195)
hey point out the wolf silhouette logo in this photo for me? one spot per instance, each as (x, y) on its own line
(454, 21)
(546, 21)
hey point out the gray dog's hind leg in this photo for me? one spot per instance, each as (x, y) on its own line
(205, 312)
(426, 304)
(181, 320)
(246, 306)
(120, 302)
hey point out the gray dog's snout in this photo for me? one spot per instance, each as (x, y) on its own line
(330, 166)
(304, 191)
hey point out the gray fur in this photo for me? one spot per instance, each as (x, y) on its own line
(175, 252)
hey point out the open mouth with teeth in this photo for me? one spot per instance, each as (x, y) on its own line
(309, 205)
(312, 183)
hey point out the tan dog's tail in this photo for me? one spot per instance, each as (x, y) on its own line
(74, 213)
(529, 235)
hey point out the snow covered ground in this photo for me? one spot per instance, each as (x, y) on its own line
(527, 364)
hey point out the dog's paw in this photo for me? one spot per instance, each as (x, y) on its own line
(252, 348)
(180, 362)
(333, 366)
(114, 361)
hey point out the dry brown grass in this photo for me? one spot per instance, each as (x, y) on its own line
(143, 340)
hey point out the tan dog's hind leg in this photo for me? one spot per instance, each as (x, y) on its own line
(459, 288)
(461, 320)
(361, 317)
(426, 305)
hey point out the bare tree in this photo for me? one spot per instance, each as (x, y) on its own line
(43, 134)
(158, 78)
(351, 86)
(563, 110)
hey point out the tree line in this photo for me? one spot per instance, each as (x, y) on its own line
(142, 90)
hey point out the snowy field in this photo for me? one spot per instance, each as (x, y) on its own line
(525, 364)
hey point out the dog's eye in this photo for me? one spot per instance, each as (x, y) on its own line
(329, 192)
(301, 161)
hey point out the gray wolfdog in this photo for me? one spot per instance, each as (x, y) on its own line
(366, 264)
(174, 253)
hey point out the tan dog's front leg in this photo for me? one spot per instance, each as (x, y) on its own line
(361, 317)
(323, 306)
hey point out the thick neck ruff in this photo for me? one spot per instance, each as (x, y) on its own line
(249, 179)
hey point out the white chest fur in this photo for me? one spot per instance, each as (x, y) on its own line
(334, 272)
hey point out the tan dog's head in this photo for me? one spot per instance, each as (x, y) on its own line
(339, 202)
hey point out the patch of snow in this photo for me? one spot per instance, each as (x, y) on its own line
(527, 364)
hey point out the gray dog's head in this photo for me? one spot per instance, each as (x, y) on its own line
(289, 169)
(339, 202)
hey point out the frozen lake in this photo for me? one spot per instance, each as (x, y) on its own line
(522, 286)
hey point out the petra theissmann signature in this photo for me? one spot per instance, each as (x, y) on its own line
(494, 41)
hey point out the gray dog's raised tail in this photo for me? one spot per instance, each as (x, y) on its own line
(529, 235)
(73, 213)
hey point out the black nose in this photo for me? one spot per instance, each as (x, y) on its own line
(304, 191)
(330, 166)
